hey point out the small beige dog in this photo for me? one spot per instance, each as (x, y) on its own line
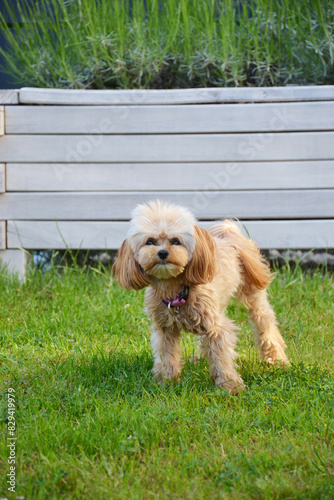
(190, 275)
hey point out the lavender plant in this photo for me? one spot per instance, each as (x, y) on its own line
(169, 44)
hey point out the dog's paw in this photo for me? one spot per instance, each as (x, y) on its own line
(232, 386)
(160, 376)
(158, 379)
(157, 373)
(277, 363)
(273, 354)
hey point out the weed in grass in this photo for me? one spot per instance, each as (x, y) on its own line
(92, 424)
(152, 44)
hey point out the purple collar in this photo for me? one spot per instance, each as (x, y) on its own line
(179, 300)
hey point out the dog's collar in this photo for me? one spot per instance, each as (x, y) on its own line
(177, 301)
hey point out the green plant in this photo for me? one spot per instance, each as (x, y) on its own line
(174, 43)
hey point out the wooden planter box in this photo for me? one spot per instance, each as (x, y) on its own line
(74, 163)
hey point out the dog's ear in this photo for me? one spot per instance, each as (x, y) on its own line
(129, 273)
(203, 265)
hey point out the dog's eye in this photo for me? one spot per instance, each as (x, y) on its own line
(150, 242)
(175, 242)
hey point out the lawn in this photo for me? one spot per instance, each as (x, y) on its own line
(91, 424)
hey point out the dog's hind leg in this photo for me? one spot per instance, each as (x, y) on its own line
(268, 337)
(167, 354)
(218, 348)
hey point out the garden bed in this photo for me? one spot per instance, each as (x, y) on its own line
(75, 163)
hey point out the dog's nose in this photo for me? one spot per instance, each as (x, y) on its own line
(163, 254)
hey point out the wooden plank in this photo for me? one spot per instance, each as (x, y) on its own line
(2, 120)
(176, 96)
(15, 261)
(169, 176)
(2, 178)
(2, 235)
(66, 234)
(292, 234)
(99, 120)
(109, 235)
(9, 96)
(167, 148)
(284, 204)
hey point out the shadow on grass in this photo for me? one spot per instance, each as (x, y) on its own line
(123, 375)
(113, 370)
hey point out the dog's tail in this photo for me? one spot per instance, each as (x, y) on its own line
(256, 268)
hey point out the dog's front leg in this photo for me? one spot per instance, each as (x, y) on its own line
(167, 354)
(218, 347)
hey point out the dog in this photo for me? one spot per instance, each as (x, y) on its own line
(191, 274)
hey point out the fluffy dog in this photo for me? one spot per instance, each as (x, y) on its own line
(190, 275)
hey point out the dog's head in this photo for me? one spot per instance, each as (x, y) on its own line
(164, 242)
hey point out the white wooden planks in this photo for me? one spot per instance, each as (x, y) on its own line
(9, 96)
(29, 177)
(284, 204)
(168, 119)
(167, 148)
(176, 96)
(2, 235)
(89, 166)
(2, 120)
(2, 178)
(109, 235)
(15, 261)
(66, 234)
(292, 234)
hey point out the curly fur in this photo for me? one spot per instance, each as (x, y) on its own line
(216, 265)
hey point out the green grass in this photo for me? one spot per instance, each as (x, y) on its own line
(170, 44)
(91, 424)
